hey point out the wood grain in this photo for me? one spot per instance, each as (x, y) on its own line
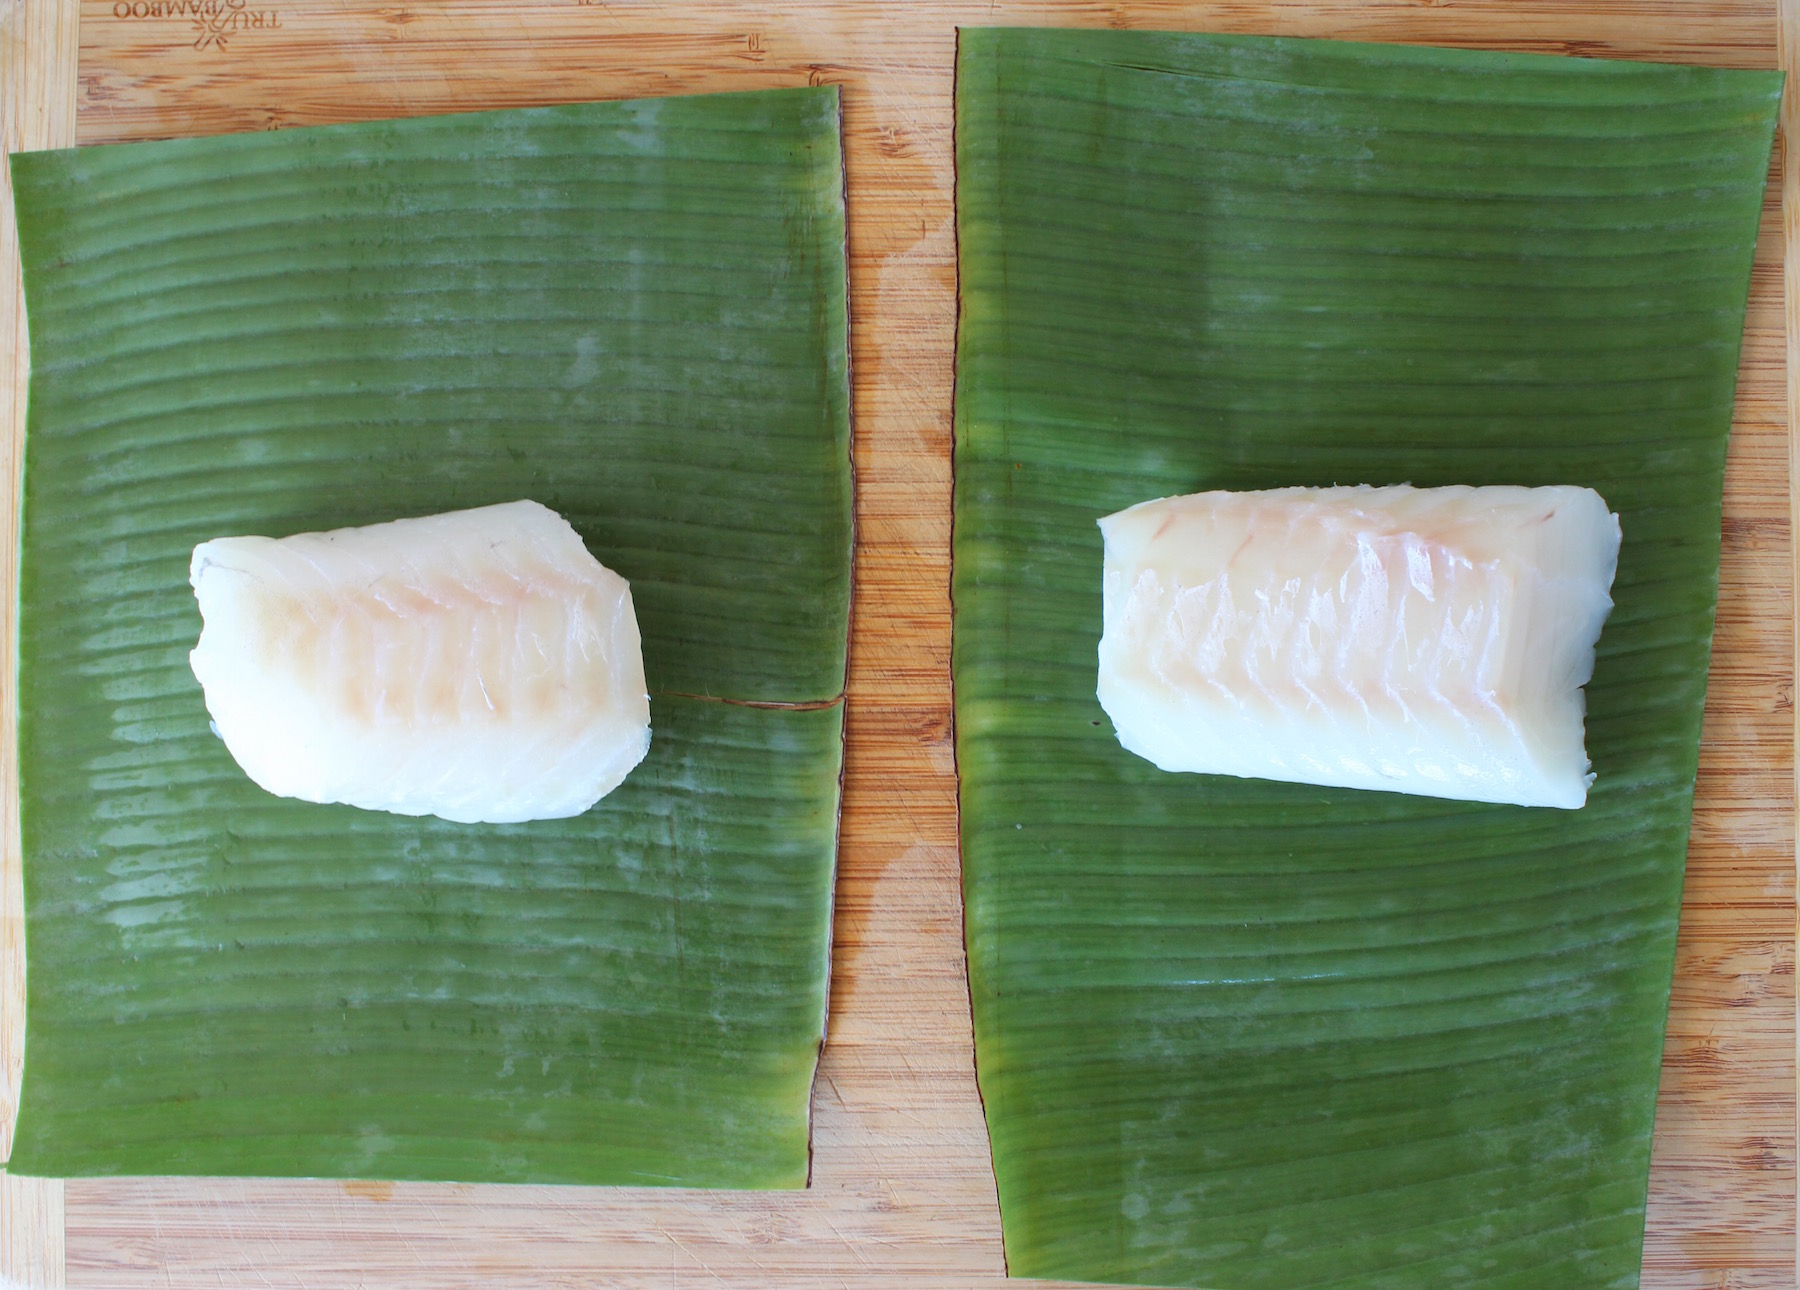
(902, 1191)
(38, 51)
(1788, 145)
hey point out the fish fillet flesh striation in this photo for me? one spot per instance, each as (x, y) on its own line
(1418, 640)
(478, 665)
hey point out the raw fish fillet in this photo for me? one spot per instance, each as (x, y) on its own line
(1419, 640)
(479, 665)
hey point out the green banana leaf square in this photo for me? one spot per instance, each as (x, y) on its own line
(1239, 1034)
(633, 312)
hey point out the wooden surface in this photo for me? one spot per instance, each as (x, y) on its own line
(902, 1192)
(37, 110)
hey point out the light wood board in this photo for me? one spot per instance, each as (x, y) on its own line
(902, 1191)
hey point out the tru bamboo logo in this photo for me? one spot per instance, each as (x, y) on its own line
(213, 21)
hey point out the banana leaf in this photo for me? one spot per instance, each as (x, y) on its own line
(633, 312)
(1239, 1034)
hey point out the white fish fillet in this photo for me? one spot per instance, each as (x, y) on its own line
(1430, 641)
(480, 665)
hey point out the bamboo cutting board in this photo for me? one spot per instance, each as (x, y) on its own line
(902, 1192)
